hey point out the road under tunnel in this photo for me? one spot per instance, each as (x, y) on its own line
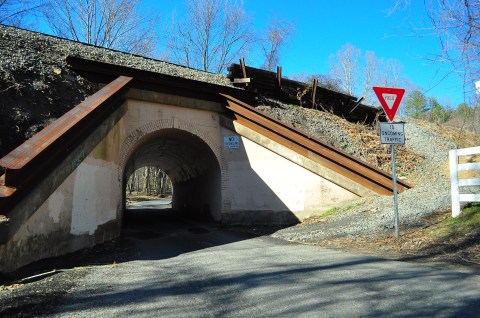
(191, 166)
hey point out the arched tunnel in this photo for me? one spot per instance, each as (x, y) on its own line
(191, 166)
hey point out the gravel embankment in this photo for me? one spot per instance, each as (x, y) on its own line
(327, 130)
(33, 67)
(56, 49)
(372, 216)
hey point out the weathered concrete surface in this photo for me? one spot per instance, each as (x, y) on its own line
(183, 142)
(167, 99)
(261, 188)
(302, 161)
(42, 222)
(246, 186)
(81, 203)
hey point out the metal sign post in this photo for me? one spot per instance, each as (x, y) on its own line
(393, 134)
(395, 199)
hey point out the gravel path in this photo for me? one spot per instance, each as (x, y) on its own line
(56, 49)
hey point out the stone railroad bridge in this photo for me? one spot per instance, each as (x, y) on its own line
(64, 189)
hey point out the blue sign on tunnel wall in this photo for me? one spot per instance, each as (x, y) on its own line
(231, 142)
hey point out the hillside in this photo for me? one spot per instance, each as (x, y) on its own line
(366, 225)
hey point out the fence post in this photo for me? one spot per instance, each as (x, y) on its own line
(454, 182)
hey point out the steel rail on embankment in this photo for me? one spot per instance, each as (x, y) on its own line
(326, 155)
(35, 158)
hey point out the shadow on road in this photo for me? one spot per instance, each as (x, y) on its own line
(154, 234)
(150, 231)
(243, 279)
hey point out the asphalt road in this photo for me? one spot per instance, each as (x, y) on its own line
(181, 268)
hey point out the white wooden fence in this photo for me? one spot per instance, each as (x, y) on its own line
(456, 183)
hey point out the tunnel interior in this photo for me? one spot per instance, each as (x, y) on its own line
(191, 166)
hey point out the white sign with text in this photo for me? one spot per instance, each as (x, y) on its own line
(392, 133)
(231, 142)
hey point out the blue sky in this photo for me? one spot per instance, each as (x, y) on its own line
(324, 26)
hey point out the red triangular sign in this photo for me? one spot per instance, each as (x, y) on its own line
(390, 99)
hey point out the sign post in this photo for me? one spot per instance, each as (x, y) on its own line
(395, 198)
(393, 134)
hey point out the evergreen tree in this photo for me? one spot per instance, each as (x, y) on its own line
(416, 104)
(438, 113)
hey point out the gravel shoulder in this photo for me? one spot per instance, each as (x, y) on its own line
(366, 225)
(39, 288)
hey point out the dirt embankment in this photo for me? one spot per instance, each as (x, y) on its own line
(36, 87)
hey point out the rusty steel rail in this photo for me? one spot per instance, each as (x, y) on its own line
(333, 158)
(35, 158)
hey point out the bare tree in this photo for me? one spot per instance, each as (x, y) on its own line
(345, 67)
(395, 69)
(150, 181)
(389, 73)
(114, 24)
(15, 12)
(370, 74)
(457, 25)
(324, 80)
(350, 71)
(212, 35)
(274, 39)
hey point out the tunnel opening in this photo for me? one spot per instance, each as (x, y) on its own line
(193, 183)
(148, 183)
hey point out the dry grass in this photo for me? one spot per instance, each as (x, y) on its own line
(137, 197)
(437, 239)
(464, 139)
(367, 140)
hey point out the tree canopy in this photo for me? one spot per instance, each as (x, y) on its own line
(416, 104)
(113, 24)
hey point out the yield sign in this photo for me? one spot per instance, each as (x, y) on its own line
(390, 99)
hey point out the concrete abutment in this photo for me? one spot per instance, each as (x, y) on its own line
(82, 202)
